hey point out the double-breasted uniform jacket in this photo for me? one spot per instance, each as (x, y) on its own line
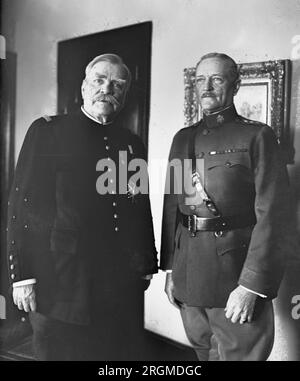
(63, 232)
(241, 168)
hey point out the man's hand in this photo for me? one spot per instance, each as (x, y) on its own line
(169, 288)
(240, 305)
(24, 297)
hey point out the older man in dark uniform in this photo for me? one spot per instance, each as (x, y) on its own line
(79, 249)
(226, 227)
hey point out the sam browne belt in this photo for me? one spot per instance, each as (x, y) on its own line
(217, 224)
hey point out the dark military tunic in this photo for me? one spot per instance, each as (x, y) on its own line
(241, 168)
(86, 250)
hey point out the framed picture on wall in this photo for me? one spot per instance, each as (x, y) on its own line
(263, 95)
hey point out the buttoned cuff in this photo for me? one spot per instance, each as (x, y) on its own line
(254, 292)
(25, 282)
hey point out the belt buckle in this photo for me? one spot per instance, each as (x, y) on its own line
(192, 224)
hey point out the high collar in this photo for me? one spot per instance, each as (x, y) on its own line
(220, 117)
(94, 119)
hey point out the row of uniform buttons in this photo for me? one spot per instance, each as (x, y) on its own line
(109, 170)
(111, 181)
(12, 261)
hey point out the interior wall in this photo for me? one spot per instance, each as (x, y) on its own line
(183, 30)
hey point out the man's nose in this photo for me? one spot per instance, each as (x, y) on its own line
(106, 87)
(207, 84)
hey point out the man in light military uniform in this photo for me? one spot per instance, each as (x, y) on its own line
(79, 260)
(226, 233)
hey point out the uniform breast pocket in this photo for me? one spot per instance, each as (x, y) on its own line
(233, 161)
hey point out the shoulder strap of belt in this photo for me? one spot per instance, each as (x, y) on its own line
(196, 179)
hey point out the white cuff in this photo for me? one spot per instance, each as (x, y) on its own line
(168, 271)
(25, 282)
(254, 292)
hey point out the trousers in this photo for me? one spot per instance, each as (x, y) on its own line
(214, 337)
(114, 333)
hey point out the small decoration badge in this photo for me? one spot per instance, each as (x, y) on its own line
(131, 190)
(220, 119)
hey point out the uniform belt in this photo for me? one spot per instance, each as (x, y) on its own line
(217, 224)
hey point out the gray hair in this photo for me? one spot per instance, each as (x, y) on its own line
(234, 69)
(113, 59)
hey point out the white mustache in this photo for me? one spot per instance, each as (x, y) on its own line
(107, 98)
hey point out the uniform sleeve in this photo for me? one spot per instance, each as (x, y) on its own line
(272, 236)
(28, 205)
(170, 215)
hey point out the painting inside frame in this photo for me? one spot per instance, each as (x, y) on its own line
(263, 95)
(253, 100)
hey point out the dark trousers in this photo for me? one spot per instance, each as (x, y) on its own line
(214, 337)
(115, 333)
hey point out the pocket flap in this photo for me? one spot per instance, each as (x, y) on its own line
(229, 160)
(234, 240)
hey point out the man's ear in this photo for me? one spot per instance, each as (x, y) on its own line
(236, 86)
(83, 87)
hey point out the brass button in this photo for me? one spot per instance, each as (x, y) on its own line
(26, 226)
(23, 319)
(13, 242)
(115, 216)
(228, 164)
(105, 138)
(201, 155)
(12, 267)
(205, 131)
(107, 148)
(116, 229)
(111, 181)
(14, 217)
(8, 203)
(11, 257)
(218, 234)
(12, 276)
(192, 207)
(114, 204)
(17, 189)
(6, 229)
(25, 199)
(113, 192)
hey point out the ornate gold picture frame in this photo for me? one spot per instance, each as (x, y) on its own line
(263, 96)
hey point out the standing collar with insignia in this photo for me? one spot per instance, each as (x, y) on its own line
(220, 117)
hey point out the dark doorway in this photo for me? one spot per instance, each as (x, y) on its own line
(133, 44)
